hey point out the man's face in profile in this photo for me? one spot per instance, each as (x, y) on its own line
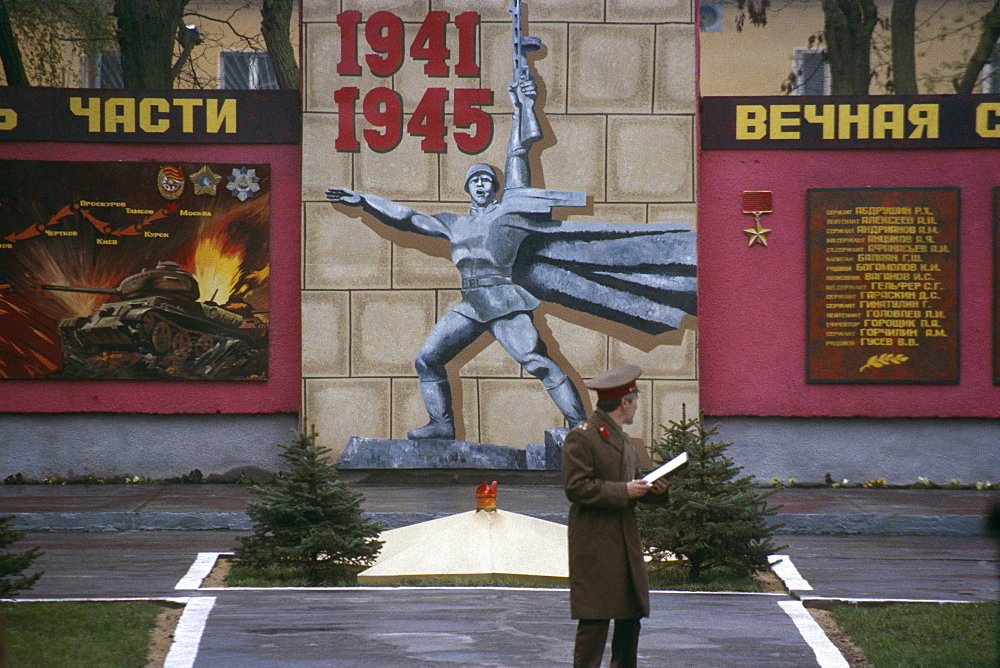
(630, 404)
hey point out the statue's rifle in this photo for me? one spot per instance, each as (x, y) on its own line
(530, 130)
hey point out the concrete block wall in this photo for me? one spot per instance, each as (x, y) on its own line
(617, 95)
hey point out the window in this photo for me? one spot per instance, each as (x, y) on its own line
(246, 70)
(812, 73)
(991, 72)
(107, 71)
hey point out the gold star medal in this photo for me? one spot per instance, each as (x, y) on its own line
(757, 234)
(205, 181)
(757, 202)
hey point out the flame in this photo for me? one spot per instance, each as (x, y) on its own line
(252, 281)
(486, 496)
(217, 266)
(230, 260)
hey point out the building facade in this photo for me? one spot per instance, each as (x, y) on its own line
(399, 101)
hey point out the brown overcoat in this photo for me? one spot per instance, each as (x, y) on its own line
(607, 574)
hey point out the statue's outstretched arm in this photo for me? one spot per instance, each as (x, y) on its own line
(522, 134)
(395, 215)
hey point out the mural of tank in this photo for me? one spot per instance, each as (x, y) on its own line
(158, 329)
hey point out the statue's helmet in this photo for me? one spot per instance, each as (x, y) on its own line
(481, 168)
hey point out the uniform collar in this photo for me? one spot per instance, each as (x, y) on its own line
(607, 421)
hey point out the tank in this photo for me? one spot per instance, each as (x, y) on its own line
(158, 319)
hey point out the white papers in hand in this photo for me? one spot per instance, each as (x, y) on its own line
(671, 466)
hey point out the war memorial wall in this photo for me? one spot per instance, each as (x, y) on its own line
(149, 253)
(846, 250)
(860, 341)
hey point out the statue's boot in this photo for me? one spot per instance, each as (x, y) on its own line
(567, 399)
(437, 399)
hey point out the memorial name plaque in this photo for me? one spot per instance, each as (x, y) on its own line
(883, 285)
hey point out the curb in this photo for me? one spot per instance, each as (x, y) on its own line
(810, 524)
(130, 521)
(899, 525)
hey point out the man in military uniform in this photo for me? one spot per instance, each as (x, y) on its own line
(601, 477)
(484, 246)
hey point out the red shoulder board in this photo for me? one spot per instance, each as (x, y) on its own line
(604, 432)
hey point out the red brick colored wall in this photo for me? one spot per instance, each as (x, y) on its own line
(752, 300)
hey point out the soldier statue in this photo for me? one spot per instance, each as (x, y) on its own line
(484, 247)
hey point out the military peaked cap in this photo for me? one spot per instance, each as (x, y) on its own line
(615, 383)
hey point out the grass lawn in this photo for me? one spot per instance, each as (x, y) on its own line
(57, 633)
(916, 635)
(272, 576)
(674, 576)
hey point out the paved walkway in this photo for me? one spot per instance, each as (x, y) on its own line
(500, 627)
(843, 544)
(476, 627)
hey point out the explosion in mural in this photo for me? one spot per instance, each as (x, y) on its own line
(137, 270)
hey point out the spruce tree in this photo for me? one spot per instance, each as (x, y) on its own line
(309, 521)
(13, 564)
(713, 516)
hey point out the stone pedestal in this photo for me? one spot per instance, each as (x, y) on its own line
(378, 453)
(547, 457)
(381, 453)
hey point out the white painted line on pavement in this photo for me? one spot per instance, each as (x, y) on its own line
(783, 567)
(187, 635)
(772, 594)
(199, 570)
(871, 602)
(826, 652)
(368, 588)
(117, 599)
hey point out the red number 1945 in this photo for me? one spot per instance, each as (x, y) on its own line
(383, 107)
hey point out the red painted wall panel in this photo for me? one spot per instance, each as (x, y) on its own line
(752, 300)
(281, 391)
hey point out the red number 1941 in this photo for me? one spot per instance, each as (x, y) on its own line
(383, 107)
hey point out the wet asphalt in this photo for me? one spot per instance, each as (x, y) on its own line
(492, 627)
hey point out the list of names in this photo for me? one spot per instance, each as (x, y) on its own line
(883, 285)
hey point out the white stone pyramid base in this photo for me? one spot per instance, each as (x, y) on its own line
(476, 546)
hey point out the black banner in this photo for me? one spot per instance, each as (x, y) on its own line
(850, 122)
(168, 116)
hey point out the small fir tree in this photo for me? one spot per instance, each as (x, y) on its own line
(713, 517)
(309, 521)
(13, 564)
